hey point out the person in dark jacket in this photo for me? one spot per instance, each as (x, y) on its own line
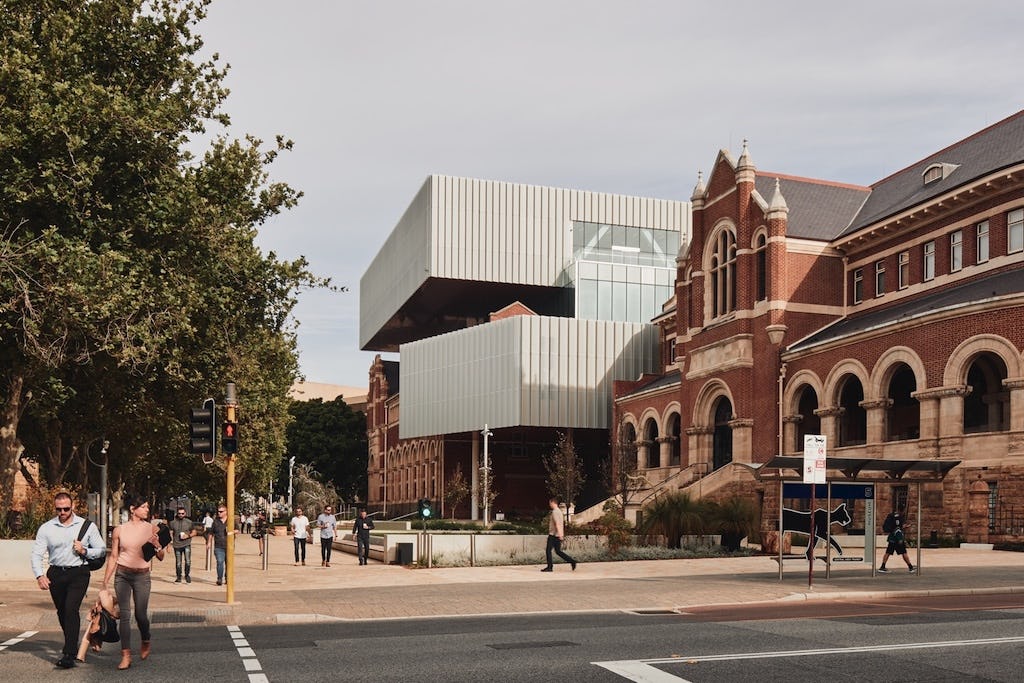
(361, 530)
(897, 542)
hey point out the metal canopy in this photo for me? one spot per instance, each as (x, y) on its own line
(790, 468)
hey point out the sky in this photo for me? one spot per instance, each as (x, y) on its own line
(630, 97)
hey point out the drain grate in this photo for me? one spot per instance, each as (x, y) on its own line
(532, 645)
(178, 617)
(645, 612)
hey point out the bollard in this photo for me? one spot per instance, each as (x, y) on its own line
(933, 541)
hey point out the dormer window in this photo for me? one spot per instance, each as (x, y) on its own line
(937, 172)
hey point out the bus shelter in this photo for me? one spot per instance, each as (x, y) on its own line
(864, 474)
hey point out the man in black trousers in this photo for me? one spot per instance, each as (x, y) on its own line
(361, 530)
(556, 531)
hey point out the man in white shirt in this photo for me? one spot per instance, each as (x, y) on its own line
(300, 532)
(67, 578)
(328, 533)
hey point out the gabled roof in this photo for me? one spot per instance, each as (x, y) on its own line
(996, 147)
(818, 210)
(993, 286)
(664, 381)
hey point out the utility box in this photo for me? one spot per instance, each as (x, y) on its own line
(403, 553)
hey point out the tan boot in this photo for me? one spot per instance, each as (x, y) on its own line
(144, 650)
(126, 660)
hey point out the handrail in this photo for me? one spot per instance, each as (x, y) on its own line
(694, 466)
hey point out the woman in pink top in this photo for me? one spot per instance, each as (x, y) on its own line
(132, 579)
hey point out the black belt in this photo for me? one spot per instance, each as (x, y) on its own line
(64, 569)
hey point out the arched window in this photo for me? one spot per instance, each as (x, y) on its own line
(651, 437)
(674, 434)
(723, 274)
(761, 260)
(903, 416)
(809, 422)
(987, 407)
(853, 423)
(721, 447)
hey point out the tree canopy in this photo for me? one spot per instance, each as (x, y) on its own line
(130, 284)
(330, 438)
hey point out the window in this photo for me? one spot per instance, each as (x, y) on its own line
(932, 174)
(879, 278)
(982, 242)
(928, 264)
(858, 285)
(956, 251)
(723, 274)
(904, 271)
(762, 267)
(1015, 231)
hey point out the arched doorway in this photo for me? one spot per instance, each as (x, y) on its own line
(651, 439)
(987, 406)
(903, 417)
(809, 422)
(721, 445)
(853, 422)
(676, 444)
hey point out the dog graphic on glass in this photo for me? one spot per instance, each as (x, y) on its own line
(799, 522)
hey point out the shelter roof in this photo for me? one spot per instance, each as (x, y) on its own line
(845, 470)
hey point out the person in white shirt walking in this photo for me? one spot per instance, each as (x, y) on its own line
(328, 525)
(67, 578)
(556, 532)
(300, 532)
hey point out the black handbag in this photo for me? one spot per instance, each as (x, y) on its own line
(93, 562)
(108, 628)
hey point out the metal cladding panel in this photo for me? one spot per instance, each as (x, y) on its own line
(521, 371)
(399, 268)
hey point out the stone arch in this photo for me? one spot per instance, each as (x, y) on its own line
(791, 394)
(801, 398)
(886, 364)
(650, 431)
(955, 372)
(705, 403)
(673, 427)
(850, 366)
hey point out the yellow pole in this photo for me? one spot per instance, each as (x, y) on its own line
(229, 416)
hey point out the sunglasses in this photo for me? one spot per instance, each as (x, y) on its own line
(60, 509)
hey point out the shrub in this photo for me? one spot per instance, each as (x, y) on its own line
(613, 525)
(673, 516)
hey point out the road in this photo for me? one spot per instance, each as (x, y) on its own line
(976, 638)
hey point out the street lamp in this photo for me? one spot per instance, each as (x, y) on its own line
(486, 471)
(291, 465)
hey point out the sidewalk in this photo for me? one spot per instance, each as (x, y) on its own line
(288, 594)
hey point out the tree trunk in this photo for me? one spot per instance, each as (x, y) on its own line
(10, 444)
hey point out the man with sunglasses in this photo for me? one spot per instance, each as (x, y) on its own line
(182, 532)
(219, 530)
(67, 577)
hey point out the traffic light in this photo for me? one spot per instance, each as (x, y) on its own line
(201, 423)
(425, 509)
(229, 431)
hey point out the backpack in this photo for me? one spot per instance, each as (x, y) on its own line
(889, 525)
(896, 536)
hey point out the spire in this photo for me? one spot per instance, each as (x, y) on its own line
(698, 189)
(745, 167)
(777, 204)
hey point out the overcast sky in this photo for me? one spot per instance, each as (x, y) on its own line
(630, 97)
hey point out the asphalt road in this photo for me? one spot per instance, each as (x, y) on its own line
(911, 639)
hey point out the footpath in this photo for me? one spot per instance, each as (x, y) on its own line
(284, 593)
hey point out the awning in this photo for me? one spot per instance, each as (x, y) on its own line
(790, 468)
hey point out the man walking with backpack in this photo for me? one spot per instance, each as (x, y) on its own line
(893, 525)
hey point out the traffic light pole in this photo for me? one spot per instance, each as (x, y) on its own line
(230, 403)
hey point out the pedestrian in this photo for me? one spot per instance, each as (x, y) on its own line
(556, 532)
(328, 526)
(67, 577)
(182, 532)
(102, 627)
(300, 532)
(219, 534)
(242, 523)
(361, 530)
(261, 530)
(207, 525)
(133, 545)
(897, 540)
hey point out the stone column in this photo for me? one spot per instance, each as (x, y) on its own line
(1016, 388)
(829, 425)
(742, 439)
(951, 410)
(700, 444)
(790, 424)
(664, 450)
(977, 512)
(876, 418)
(643, 451)
(928, 418)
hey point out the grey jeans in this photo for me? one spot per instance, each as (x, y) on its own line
(126, 586)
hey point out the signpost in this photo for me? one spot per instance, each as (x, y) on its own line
(814, 473)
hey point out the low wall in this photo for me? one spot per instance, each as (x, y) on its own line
(16, 560)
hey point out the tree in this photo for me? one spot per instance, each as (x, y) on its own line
(330, 437)
(131, 286)
(456, 490)
(565, 471)
(620, 472)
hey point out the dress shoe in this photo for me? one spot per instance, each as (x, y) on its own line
(574, 565)
(547, 569)
(219, 582)
(188, 579)
(66, 662)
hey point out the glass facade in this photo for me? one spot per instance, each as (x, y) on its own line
(622, 273)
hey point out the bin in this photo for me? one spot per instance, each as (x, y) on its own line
(403, 553)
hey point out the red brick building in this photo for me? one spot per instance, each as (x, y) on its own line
(886, 317)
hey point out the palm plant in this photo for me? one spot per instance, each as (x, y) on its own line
(673, 516)
(735, 518)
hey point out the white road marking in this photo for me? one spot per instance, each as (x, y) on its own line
(248, 655)
(17, 639)
(642, 671)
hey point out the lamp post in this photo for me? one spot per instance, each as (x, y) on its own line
(486, 472)
(291, 466)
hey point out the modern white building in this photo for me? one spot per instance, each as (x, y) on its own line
(514, 306)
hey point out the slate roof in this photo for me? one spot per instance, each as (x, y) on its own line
(818, 210)
(999, 284)
(996, 147)
(666, 380)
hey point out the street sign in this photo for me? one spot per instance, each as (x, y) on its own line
(814, 458)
